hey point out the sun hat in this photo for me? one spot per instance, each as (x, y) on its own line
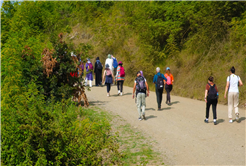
(168, 68)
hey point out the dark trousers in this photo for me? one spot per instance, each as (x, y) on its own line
(108, 87)
(120, 85)
(214, 105)
(98, 80)
(159, 96)
(168, 89)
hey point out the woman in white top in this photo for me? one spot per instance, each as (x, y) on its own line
(233, 82)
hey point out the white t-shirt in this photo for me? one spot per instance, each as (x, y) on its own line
(233, 84)
(110, 63)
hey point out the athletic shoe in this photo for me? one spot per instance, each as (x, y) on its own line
(230, 121)
(108, 95)
(237, 117)
(144, 117)
(205, 120)
(139, 118)
(215, 122)
(118, 92)
(121, 94)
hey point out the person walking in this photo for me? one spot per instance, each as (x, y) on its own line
(115, 65)
(98, 72)
(159, 80)
(120, 77)
(89, 70)
(109, 61)
(169, 84)
(233, 82)
(140, 85)
(211, 98)
(109, 78)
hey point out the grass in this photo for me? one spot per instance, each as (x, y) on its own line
(136, 149)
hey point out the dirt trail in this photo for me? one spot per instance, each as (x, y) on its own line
(182, 136)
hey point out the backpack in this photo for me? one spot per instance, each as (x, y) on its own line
(90, 66)
(115, 63)
(140, 84)
(99, 66)
(160, 82)
(122, 71)
(212, 94)
(169, 82)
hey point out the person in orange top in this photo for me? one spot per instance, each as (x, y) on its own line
(169, 84)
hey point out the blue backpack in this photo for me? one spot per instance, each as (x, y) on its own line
(115, 63)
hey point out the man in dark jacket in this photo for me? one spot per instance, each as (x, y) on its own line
(98, 72)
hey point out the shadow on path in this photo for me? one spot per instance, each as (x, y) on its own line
(149, 109)
(166, 108)
(175, 102)
(93, 103)
(150, 117)
(220, 121)
(241, 119)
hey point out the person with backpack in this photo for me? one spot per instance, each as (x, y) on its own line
(159, 81)
(140, 85)
(89, 70)
(98, 72)
(115, 65)
(109, 61)
(169, 84)
(211, 98)
(120, 77)
(109, 78)
(233, 82)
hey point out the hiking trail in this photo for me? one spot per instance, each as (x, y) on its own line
(179, 129)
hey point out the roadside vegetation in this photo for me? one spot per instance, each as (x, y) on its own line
(42, 126)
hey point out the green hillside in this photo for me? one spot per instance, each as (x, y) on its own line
(195, 39)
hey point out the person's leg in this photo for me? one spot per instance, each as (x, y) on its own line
(208, 107)
(230, 105)
(143, 105)
(118, 87)
(170, 89)
(236, 102)
(168, 94)
(139, 105)
(160, 96)
(214, 105)
(157, 97)
(121, 86)
(90, 82)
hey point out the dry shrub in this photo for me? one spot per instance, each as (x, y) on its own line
(48, 61)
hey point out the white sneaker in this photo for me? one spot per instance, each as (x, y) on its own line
(118, 92)
(107, 94)
(121, 94)
(237, 117)
(230, 121)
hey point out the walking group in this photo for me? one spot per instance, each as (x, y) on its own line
(114, 73)
(211, 96)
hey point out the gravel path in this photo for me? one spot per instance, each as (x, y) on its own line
(179, 129)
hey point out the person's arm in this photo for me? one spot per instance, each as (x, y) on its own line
(134, 88)
(172, 79)
(206, 94)
(240, 83)
(164, 78)
(147, 86)
(103, 75)
(154, 80)
(226, 88)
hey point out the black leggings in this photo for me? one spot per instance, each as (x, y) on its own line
(108, 87)
(168, 89)
(214, 104)
(120, 85)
